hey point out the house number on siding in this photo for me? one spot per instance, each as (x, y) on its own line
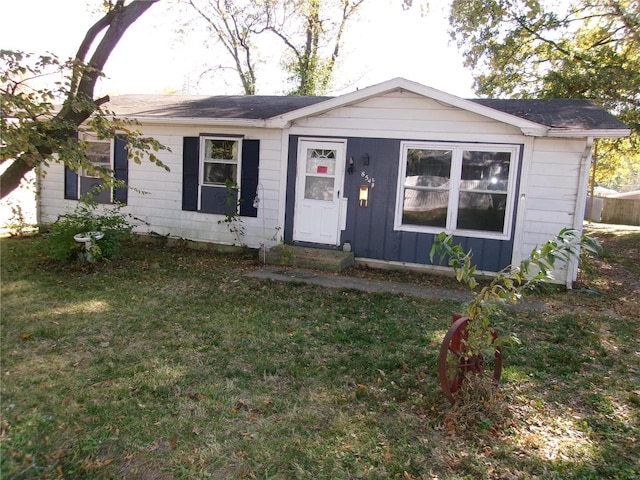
(370, 180)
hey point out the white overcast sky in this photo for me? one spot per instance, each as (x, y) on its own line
(386, 42)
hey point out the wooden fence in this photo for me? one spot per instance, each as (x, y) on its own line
(621, 211)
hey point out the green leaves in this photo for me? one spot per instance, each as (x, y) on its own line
(38, 131)
(584, 49)
(58, 243)
(508, 284)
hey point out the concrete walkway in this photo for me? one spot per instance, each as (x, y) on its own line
(373, 286)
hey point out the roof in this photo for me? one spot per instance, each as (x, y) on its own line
(557, 112)
(554, 117)
(253, 107)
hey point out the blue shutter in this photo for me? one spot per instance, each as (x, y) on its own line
(70, 184)
(71, 181)
(190, 164)
(121, 168)
(249, 177)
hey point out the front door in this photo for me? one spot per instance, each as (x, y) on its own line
(319, 184)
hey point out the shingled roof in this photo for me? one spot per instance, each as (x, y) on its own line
(570, 114)
(251, 107)
(557, 113)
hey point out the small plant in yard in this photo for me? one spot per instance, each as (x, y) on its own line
(58, 242)
(232, 219)
(18, 224)
(472, 341)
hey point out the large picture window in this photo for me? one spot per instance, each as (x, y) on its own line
(466, 189)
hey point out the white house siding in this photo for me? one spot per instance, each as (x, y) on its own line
(551, 193)
(408, 116)
(161, 206)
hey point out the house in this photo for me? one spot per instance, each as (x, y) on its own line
(384, 168)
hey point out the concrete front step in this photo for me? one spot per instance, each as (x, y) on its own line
(305, 257)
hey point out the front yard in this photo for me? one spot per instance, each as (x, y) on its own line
(170, 363)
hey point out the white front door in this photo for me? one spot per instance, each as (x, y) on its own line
(319, 184)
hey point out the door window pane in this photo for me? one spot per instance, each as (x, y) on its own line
(318, 188)
(321, 162)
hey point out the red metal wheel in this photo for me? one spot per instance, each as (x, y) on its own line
(454, 363)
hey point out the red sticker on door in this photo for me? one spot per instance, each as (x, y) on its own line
(322, 169)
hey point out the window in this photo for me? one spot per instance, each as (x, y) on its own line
(110, 154)
(320, 174)
(208, 162)
(99, 154)
(219, 161)
(218, 165)
(463, 189)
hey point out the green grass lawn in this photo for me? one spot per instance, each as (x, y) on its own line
(170, 363)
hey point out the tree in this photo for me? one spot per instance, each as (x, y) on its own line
(586, 49)
(36, 132)
(311, 32)
(234, 23)
(316, 30)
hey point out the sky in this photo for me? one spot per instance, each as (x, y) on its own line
(386, 42)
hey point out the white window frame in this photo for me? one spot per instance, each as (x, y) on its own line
(90, 138)
(202, 161)
(455, 188)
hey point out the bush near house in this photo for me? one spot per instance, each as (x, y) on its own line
(58, 243)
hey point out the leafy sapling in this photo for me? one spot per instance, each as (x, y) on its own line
(508, 285)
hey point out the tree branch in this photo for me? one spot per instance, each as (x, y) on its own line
(124, 18)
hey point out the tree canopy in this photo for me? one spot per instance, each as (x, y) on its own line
(310, 32)
(549, 49)
(39, 120)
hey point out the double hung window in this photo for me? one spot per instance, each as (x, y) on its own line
(100, 154)
(211, 164)
(466, 189)
(220, 159)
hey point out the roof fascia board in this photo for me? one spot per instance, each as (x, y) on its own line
(582, 133)
(527, 127)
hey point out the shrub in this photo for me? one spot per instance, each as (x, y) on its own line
(58, 243)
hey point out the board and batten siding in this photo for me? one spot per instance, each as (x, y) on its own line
(377, 127)
(160, 206)
(550, 170)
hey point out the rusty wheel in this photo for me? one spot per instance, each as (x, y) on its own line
(454, 363)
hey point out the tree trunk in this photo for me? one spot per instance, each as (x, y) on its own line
(12, 176)
(82, 84)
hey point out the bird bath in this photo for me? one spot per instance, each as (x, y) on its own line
(88, 239)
